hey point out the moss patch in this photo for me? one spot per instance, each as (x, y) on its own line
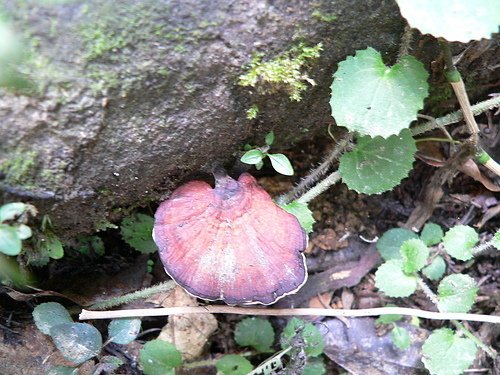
(20, 168)
(284, 73)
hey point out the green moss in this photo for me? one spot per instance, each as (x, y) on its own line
(20, 168)
(286, 72)
(324, 17)
(99, 40)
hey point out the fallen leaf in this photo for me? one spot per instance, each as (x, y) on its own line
(189, 333)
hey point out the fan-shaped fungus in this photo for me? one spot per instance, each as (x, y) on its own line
(231, 242)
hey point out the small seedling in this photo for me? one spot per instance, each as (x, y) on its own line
(445, 353)
(256, 156)
(13, 228)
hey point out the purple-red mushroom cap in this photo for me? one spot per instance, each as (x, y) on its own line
(231, 242)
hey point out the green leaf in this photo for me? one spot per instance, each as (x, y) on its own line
(23, 231)
(10, 243)
(415, 254)
(303, 214)
(377, 164)
(62, 370)
(136, 231)
(252, 157)
(372, 99)
(12, 210)
(388, 318)
(124, 331)
(52, 246)
(270, 138)
(281, 164)
(459, 242)
(50, 314)
(389, 244)
(456, 293)
(314, 366)
(259, 165)
(495, 241)
(445, 353)
(314, 343)
(436, 269)
(233, 364)
(432, 234)
(391, 279)
(255, 332)
(401, 338)
(77, 342)
(459, 20)
(159, 357)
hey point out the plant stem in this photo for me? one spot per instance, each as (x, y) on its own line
(315, 175)
(435, 139)
(427, 291)
(483, 247)
(456, 116)
(140, 294)
(491, 352)
(430, 294)
(312, 193)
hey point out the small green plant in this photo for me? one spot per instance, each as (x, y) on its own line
(444, 352)
(13, 228)
(256, 155)
(136, 231)
(79, 342)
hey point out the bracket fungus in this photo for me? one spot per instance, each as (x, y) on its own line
(231, 242)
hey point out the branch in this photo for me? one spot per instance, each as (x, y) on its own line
(211, 309)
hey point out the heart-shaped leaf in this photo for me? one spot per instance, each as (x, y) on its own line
(373, 99)
(391, 279)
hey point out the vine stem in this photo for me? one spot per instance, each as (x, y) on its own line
(456, 116)
(316, 173)
(455, 321)
(483, 247)
(319, 188)
(140, 294)
(219, 309)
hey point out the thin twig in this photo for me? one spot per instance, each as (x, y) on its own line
(211, 309)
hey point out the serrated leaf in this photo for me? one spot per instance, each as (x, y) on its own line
(432, 234)
(377, 164)
(444, 353)
(10, 243)
(303, 214)
(159, 357)
(269, 138)
(372, 99)
(456, 293)
(12, 210)
(401, 338)
(459, 20)
(136, 231)
(415, 254)
(391, 279)
(124, 331)
(389, 244)
(459, 242)
(233, 364)
(281, 164)
(314, 366)
(50, 314)
(313, 340)
(436, 269)
(255, 332)
(77, 342)
(252, 157)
